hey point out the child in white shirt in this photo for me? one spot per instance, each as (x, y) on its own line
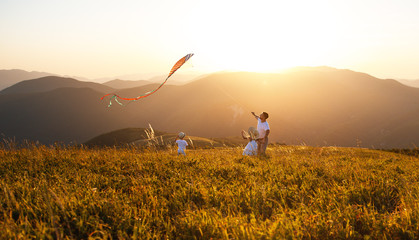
(251, 148)
(181, 144)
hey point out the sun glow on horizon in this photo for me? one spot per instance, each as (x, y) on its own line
(260, 39)
(107, 38)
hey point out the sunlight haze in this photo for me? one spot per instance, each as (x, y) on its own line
(96, 39)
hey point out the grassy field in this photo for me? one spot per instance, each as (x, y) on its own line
(297, 192)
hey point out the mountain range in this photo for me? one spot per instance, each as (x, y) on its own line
(121, 84)
(411, 83)
(49, 83)
(313, 106)
(13, 76)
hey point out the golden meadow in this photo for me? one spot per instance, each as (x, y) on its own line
(297, 192)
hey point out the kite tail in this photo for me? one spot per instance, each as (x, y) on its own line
(116, 100)
(114, 97)
(177, 65)
(110, 101)
(107, 95)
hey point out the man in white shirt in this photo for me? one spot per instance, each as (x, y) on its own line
(264, 130)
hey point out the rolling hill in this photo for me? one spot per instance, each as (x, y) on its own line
(49, 83)
(121, 84)
(69, 115)
(139, 137)
(310, 106)
(410, 83)
(13, 76)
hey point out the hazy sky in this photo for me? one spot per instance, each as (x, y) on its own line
(94, 39)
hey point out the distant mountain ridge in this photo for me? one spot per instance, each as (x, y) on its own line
(410, 83)
(49, 83)
(341, 107)
(13, 76)
(121, 84)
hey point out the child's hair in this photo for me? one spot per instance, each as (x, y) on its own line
(265, 114)
(181, 135)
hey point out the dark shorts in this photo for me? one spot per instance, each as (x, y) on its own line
(264, 145)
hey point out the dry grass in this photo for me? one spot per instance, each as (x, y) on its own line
(297, 192)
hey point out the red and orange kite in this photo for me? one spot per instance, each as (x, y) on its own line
(175, 67)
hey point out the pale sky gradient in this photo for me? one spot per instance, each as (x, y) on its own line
(102, 38)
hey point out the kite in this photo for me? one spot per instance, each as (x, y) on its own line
(175, 67)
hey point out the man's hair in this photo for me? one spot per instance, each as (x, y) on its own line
(265, 114)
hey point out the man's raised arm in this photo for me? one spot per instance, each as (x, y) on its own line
(256, 116)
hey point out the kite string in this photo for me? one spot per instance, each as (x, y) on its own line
(232, 98)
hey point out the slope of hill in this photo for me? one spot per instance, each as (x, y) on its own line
(410, 83)
(13, 76)
(298, 192)
(121, 84)
(49, 83)
(139, 137)
(120, 137)
(341, 107)
(69, 115)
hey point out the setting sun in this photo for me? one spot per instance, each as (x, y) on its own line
(261, 38)
(107, 38)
